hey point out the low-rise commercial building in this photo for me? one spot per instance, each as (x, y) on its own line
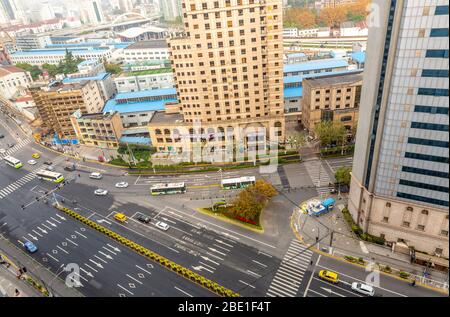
(144, 80)
(331, 98)
(12, 79)
(58, 101)
(53, 56)
(137, 34)
(146, 51)
(315, 67)
(102, 130)
(32, 41)
(103, 80)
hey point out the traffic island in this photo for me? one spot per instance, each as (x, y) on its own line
(227, 216)
(168, 264)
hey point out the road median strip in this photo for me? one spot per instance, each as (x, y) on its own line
(180, 270)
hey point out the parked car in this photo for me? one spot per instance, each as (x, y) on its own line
(120, 217)
(48, 162)
(69, 168)
(30, 247)
(95, 175)
(329, 276)
(162, 225)
(363, 289)
(50, 168)
(101, 192)
(144, 218)
(122, 185)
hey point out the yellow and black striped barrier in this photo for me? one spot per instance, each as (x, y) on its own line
(180, 270)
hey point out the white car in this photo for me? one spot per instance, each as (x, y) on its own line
(95, 175)
(32, 162)
(363, 289)
(50, 168)
(101, 192)
(2, 151)
(122, 185)
(162, 225)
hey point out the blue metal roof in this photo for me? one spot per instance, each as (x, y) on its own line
(292, 79)
(143, 106)
(88, 62)
(135, 140)
(315, 65)
(297, 55)
(99, 76)
(147, 93)
(359, 57)
(293, 92)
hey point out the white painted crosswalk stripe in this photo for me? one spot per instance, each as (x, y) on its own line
(289, 275)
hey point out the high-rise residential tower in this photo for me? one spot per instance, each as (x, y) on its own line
(228, 70)
(171, 9)
(399, 186)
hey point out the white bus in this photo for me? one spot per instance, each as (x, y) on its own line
(170, 188)
(236, 183)
(11, 161)
(50, 176)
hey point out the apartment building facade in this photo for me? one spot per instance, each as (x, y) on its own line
(102, 130)
(56, 104)
(399, 184)
(12, 79)
(228, 71)
(331, 98)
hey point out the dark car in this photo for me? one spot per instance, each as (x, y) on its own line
(48, 162)
(11, 145)
(144, 218)
(1, 136)
(69, 168)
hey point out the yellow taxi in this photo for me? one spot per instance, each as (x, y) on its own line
(36, 155)
(329, 276)
(120, 217)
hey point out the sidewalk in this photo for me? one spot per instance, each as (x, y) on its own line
(11, 286)
(345, 243)
(19, 259)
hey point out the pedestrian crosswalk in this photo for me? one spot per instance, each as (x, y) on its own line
(16, 147)
(290, 274)
(16, 185)
(319, 177)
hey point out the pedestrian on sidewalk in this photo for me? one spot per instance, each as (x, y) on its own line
(16, 292)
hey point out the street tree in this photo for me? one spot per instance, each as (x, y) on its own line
(34, 70)
(296, 140)
(299, 18)
(333, 16)
(112, 68)
(330, 133)
(342, 175)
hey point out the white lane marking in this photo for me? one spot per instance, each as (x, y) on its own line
(245, 283)
(217, 251)
(62, 249)
(310, 279)
(55, 220)
(105, 255)
(184, 292)
(109, 250)
(114, 248)
(42, 230)
(219, 246)
(100, 259)
(125, 289)
(53, 257)
(91, 267)
(256, 274)
(71, 241)
(80, 234)
(134, 279)
(211, 267)
(37, 233)
(20, 242)
(43, 225)
(259, 263)
(143, 269)
(97, 264)
(87, 273)
(311, 290)
(224, 243)
(215, 256)
(80, 276)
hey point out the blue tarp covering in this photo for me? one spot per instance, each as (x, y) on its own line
(136, 140)
(359, 57)
(315, 65)
(58, 141)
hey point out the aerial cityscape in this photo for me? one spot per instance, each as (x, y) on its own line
(224, 148)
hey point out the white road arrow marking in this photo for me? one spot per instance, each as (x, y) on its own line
(100, 259)
(215, 250)
(98, 264)
(60, 217)
(50, 223)
(208, 259)
(109, 250)
(37, 233)
(222, 242)
(114, 248)
(91, 267)
(57, 221)
(87, 272)
(43, 225)
(42, 230)
(105, 255)
(331, 292)
(33, 237)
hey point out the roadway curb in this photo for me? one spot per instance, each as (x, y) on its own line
(170, 265)
(341, 259)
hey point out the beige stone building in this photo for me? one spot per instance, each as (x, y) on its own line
(57, 102)
(334, 97)
(102, 130)
(228, 70)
